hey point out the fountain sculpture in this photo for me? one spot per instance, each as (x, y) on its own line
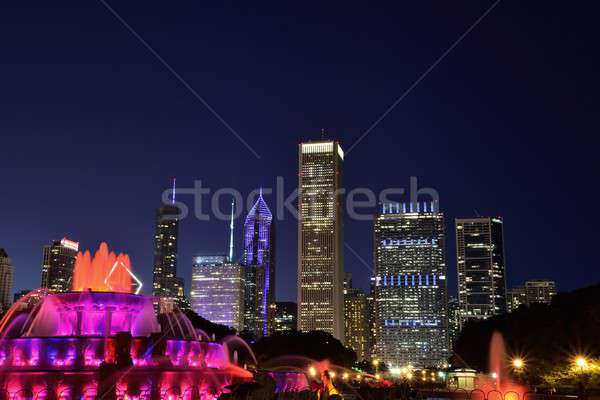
(104, 337)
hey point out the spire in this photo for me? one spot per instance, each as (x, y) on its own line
(231, 228)
(260, 191)
(173, 195)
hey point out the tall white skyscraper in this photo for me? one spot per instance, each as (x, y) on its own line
(320, 238)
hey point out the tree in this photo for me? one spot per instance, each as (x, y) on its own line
(316, 345)
(547, 336)
(219, 331)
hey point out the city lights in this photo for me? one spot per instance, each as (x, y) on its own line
(518, 363)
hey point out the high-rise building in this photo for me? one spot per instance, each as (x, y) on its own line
(454, 325)
(320, 238)
(356, 324)
(259, 269)
(165, 282)
(481, 267)
(6, 280)
(515, 297)
(218, 290)
(410, 285)
(58, 264)
(286, 316)
(540, 291)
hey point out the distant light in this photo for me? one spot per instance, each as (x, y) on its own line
(332, 374)
(377, 376)
(495, 375)
(345, 376)
(581, 362)
(518, 363)
(312, 371)
(375, 362)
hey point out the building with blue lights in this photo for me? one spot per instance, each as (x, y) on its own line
(409, 286)
(259, 269)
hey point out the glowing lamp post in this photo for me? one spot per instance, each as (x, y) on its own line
(376, 365)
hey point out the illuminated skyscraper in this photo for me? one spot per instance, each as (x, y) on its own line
(286, 316)
(259, 269)
(58, 264)
(356, 324)
(481, 267)
(218, 290)
(410, 285)
(320, 238)
(540, 291)
(165, 282)
(6, 280)
(454, 325)
(515, 297)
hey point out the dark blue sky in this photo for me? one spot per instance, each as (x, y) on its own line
(93, 126)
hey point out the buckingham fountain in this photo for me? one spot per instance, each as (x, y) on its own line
(104, 340)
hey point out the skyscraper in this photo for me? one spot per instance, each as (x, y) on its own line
(218, 290)
(454, 325)
(356, 324)
(320, 238)
(515, 297)
(259, 269)
(58, 264)
(410, 285)
(286, 316)
(481, 267)
(6, 280)
(165, 283)
(540, 291)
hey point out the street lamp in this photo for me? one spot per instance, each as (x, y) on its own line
(581, 362)
(376, 365)
(518, 363)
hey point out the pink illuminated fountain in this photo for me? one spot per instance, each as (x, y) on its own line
(103, 334)
(499, 380)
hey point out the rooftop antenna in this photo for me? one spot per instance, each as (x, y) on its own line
(231, 228)
(173, 196)
(476, 213)
(322, 133)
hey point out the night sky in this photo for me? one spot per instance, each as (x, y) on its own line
(93, 126)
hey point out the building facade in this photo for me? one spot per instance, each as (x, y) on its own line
(320, 238)
(286, 316)
(540, 291)
(515, 297)
(217, 290)
(454, 325)
(6, 280)
(57, 265)
(410, 294)
(356, 323)
(166, 285)
(481, 267)
(259, 269)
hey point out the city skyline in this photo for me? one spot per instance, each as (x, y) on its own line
(67, 135)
